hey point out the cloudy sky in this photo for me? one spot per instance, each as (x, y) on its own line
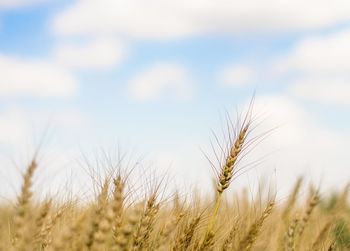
(156, 77)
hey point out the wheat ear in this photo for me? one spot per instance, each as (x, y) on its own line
(249, 239)
(184, 239)
(227, 171)
(22, 233)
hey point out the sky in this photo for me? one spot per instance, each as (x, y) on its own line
(156, 78)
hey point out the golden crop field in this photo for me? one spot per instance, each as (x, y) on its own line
(116, 220)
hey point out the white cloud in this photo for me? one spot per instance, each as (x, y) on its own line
(18, 3)
(21, 77)
(69, 119)
(327, 91)
(13, 128)
(237, 75)
(159, 19)
(22, 127)
(321, 55)
(97, 54)
(161, 79)
(320, 68)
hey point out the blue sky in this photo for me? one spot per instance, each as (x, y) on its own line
(156, 78)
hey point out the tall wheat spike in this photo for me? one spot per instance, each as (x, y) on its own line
(227, 170)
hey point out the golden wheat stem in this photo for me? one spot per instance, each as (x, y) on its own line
(215, 213)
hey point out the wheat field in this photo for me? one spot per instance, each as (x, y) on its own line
(230, 220)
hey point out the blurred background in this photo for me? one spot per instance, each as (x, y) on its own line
(153, 79)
